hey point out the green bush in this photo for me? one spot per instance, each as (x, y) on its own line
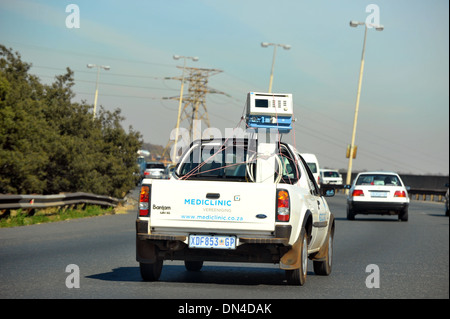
(48, 144)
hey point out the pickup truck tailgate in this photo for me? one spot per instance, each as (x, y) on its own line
(212, 206)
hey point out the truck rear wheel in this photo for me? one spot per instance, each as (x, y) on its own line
(323, 268)
(151, 272)
(298, 276)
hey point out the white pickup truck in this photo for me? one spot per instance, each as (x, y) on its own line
(212, 210)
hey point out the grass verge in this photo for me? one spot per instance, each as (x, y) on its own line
(23, 217)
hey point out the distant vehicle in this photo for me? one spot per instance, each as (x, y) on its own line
(313, 165)
(154, 170)
(141, 165)
(143, 153)
(330, 176)
(169, 170)
(378, 193)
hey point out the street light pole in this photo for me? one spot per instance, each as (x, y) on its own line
(358, 95)
(105, 67)
(275, 45)
(176, 57)
(271, 71)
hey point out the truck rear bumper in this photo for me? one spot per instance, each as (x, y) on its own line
(148, 251)
(242, 240)
(150, 247)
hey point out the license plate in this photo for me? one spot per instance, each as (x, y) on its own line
(378, 194)
(211, 241)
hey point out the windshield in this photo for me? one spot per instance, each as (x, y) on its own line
(378, 179)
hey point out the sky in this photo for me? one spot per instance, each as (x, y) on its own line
(403, 118)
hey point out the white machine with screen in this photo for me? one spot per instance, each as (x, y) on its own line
(269, 114)
(270, 111)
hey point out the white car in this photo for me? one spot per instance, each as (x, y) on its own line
(378, 193)
(154, 170)
(330, 176)
(313, 165)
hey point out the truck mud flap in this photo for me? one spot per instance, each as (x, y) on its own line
(291, 260)
(145, 251)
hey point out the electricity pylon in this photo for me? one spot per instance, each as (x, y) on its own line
(194, 104)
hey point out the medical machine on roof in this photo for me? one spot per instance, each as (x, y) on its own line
(269, 111)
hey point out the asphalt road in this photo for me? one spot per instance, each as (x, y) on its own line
(411, 258)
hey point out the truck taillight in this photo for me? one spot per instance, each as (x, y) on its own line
(144, 201)
(283, 206)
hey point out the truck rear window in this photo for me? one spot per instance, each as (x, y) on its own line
(215, 161)
(234, 161)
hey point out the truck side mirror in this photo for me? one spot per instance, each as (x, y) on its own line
(327, 191)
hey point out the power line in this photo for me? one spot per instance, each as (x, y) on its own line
(102, 57)
(110, 74)
(375, 139)
(119, 85)
(123, 96)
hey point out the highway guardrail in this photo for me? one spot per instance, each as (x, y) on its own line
(44, 201)
(427, 194)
